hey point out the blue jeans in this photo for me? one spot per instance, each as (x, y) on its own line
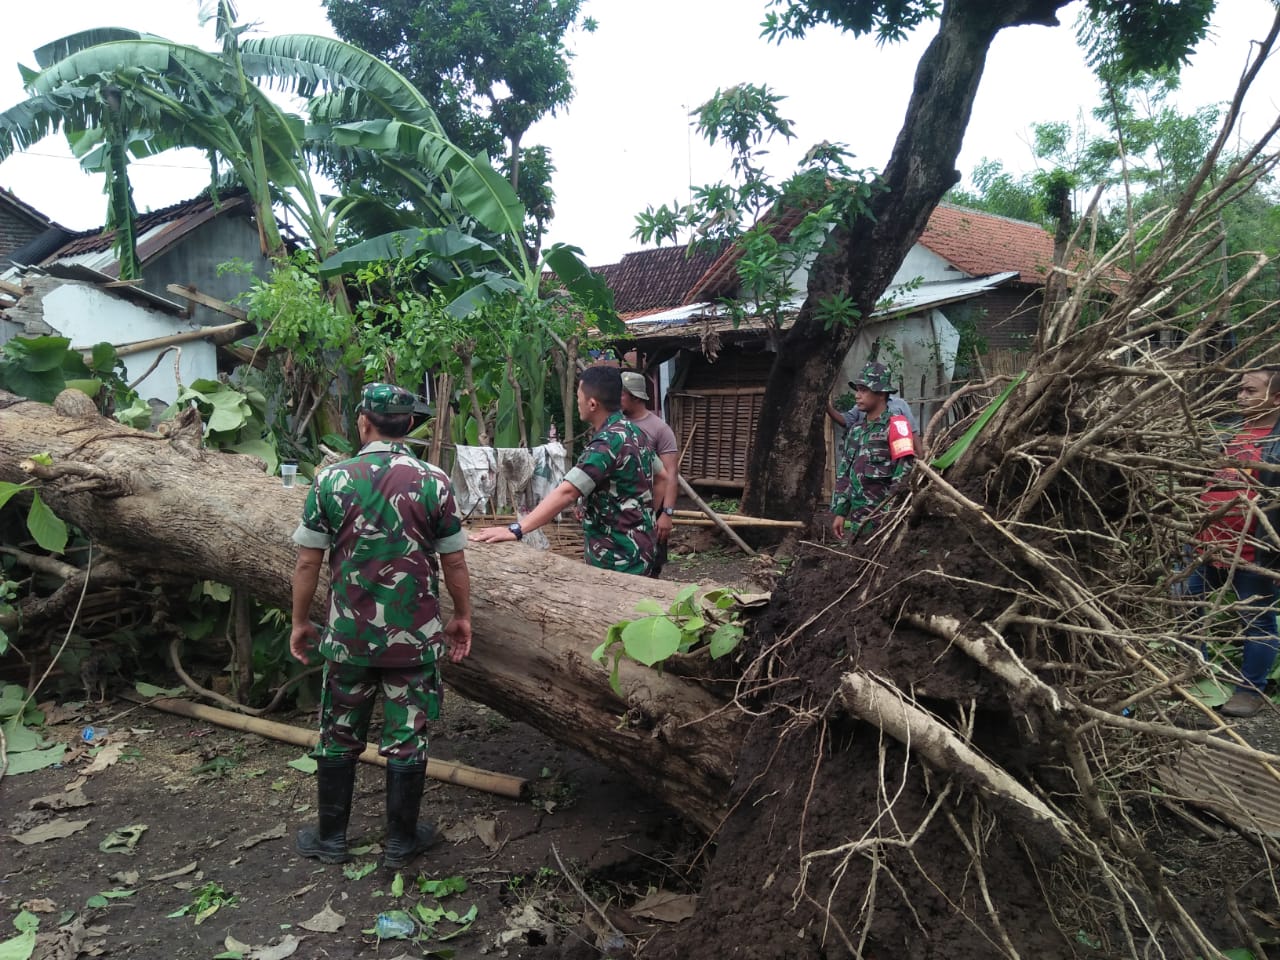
(1261, 642)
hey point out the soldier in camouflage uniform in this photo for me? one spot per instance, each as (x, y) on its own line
(878, 454)
(618, 475)
(385, 517)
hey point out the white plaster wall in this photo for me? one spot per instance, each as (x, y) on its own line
(87, 315)
(928, 344)
(924, 263)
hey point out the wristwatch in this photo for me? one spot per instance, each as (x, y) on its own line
(517, 530)
(669, 511)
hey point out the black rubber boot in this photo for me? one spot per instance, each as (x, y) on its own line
(335, 783)
(405, 839)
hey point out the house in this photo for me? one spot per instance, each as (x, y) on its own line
(21, 225)
(70, 286)
(970, 274)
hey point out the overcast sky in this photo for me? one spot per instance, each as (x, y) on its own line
(625, 140)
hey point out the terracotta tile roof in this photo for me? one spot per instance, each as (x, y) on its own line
(649, 280)
(981, 244)
(722, 277)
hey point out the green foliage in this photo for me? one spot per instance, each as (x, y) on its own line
(24, 944)
(1130, 36)
(42, 523)
(490, 68)
(234, 420)
(293, 312)
(690, 622)
(40, 368)
(778, 228)
(207, 901)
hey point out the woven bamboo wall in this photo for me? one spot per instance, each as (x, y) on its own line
(722, 424)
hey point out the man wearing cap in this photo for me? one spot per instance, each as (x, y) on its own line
(390, 525)
(662, 441)
(878, 454)
(619, 476)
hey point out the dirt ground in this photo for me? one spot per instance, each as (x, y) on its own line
(186, 816)
(220, 808)
(213, 814)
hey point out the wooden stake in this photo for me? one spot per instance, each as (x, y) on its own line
(715, 517)
(445, 771)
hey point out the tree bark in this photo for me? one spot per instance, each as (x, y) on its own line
(537, 617)
(784, 478)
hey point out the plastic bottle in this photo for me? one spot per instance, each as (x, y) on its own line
(92, 734)
(395, 925)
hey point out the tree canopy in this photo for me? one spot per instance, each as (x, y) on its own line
(490, 68)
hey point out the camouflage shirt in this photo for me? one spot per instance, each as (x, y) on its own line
(867, 472)
(383, 515)
(615, 474)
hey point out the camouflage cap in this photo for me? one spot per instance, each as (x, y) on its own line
(875, 376)
(386, 398)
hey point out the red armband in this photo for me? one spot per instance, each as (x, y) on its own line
(901, 443)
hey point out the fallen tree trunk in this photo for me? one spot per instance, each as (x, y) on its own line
(537, 617)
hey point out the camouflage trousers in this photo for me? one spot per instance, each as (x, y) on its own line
(410, 697)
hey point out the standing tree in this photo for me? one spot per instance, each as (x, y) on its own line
(491, 68)
(785, 475)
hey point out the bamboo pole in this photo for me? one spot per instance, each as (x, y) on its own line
(215, 335)
(714, 517)
(445, 771)
(738, 521)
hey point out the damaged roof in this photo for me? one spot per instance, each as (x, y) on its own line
(158, 231)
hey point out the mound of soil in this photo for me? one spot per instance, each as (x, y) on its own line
(839, 842)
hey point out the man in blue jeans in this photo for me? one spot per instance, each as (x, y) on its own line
(1233, 547)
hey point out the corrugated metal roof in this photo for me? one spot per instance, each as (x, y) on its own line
(908, 300)
(1238, 790)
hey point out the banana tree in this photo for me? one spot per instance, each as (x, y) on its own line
(118, 93)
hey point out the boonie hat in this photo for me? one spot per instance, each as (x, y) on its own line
(634, 384)
(386, 398)
(875, 376)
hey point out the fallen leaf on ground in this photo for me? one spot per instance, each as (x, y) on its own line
(54, 830)
(326, 921)
(124, 839)
(285, 948)
(459, 832)
(275, 833)
(68, 800)
(35, 760)
(67, 942)
(665, 906)
(236, 946)
(105, 758)
(487, 831)
(76, 784)
(128, 877)
(522, 921)
(43, 905)
(180, 872)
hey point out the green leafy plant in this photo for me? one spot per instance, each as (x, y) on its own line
(42, 523)
(207, 901)
(445, 887)
(688, 623)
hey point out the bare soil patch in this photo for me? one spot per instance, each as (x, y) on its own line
(208, 827)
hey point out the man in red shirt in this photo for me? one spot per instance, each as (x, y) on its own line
(1229, 543)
